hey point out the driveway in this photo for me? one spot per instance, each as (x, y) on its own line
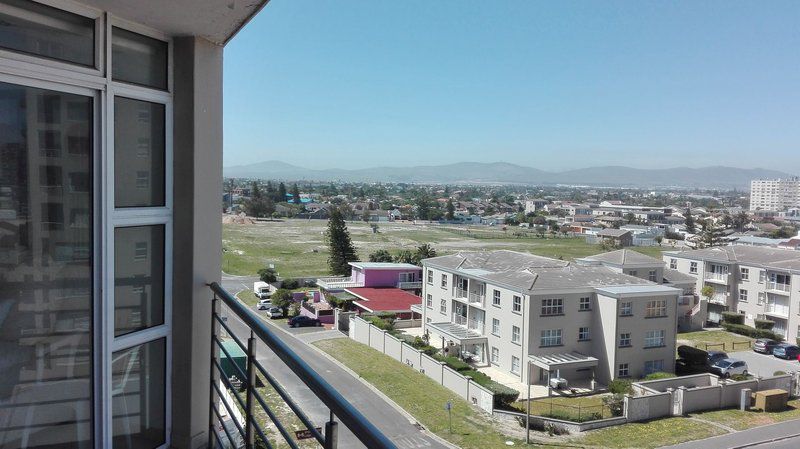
(764, 365)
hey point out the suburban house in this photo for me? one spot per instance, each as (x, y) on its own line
(578, 321)
(376, 301)
(615, 237)
(110, 175)
(758, 282)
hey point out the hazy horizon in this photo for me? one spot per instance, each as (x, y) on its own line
(556, 86)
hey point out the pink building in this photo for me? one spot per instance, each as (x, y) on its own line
(376, 274)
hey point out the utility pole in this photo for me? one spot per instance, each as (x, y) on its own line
(528, 413)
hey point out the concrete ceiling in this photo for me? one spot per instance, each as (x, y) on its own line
(216, 20)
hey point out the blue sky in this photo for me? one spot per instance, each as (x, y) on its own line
(554, 85)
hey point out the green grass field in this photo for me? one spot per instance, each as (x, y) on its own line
(716, 340)
(297, 247)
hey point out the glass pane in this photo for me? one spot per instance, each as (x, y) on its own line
(138, 278)
(138, 59)
(138, 153)
(138, 393)
(45, 271)
(40, 30)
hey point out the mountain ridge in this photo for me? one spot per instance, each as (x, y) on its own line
(507, 173)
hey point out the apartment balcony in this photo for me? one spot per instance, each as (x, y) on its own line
(719, 298)
(409, 285)
(338, 283)
(236, 401)
(777, 309)
(469, 323)
(779, 288)
(718, 278)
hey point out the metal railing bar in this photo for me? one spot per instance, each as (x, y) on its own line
(222, 424)
(231, 333)
(288, 400)
(229, 385)
(348, 415)
(286, 435)
(260, 432)
(219, 440)
(229, 409)
(230, 357)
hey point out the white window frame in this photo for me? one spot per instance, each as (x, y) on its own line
(743, 295)
(494, 355)
(692, 267)
(430, 276)
(496, 298)
(96, 82)
(551, 337)
(654, 339)
(583, 334)
(516, 335)
(673, 264)
(443, 306)
(625, 340)
(552, 307)
(744, 273)
(623, 370)
(429, 301)
(444, 280)
(495, 327)
(655, 366)
(516, 304)
(651, 276)
(515, 362)
(656, 308)
(626, 308)
(585, 304)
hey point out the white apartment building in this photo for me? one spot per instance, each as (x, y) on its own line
(581, 321)
(758, 282)
(774, 194)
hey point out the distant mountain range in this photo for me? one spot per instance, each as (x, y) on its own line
(505, 173)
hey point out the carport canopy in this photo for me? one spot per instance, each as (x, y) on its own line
(459, 334)
(552, 362)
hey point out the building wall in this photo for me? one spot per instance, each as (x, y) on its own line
(638, 325)
(381, 278)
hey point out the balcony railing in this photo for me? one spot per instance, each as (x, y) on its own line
(338, 283)
(469, 323)
(719, 298)
(477, 298)
(777, 309)
(459, 319)
(462, 293)
(244, 400)
(779, 287)
(716, 277)
(409, 285)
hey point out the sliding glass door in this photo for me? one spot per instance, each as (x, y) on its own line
(46, 268)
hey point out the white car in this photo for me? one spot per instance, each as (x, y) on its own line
(729, 367)
(274, 312)
(264, 304)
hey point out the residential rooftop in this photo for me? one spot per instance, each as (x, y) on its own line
(786, 259)
(528, 273)
(624, 257)
(384, 266)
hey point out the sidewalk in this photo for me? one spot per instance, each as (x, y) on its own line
(746, 438)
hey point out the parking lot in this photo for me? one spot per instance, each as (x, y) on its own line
(764, 364)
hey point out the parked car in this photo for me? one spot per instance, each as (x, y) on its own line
(764, 345)
(729, 367)
(274, 312)
(786, 351)
(262, 290)
(304, 321)
(715, 356)
(264, 304)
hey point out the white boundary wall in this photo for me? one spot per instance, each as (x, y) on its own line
(364, 332)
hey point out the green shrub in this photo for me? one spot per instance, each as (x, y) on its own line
(453, 362)
(779, 373)
(615, 404)
(740, 377)
(659, 375)
(620, 386)
(732, 318)
(503, 395)
(764, 324)
(742, 329)
(290, 284)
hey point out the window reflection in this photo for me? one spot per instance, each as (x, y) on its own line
(139, 278)
(138, 153)
(45, 271)
(138, 396)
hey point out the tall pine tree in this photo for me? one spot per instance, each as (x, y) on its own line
(281, 196)
(690, 226)
(451, 210)
(341, 247)
(295, 194)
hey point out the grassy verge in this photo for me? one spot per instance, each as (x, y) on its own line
(662, 432)
(741, 420)
(419, 395)
(284, 416)
(717, 340)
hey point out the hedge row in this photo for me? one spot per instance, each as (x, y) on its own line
(732, 318)
(453, 362)
(752, 332)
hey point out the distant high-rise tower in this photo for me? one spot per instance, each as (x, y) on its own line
(774, 194)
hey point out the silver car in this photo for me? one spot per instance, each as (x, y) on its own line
(274, 312)
(729, 367)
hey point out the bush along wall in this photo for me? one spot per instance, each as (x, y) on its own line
(752, 332)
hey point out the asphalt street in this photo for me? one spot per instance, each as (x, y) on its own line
(764, 365)
(389, 420)
(785, 435)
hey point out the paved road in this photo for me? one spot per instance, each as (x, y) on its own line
(786, 435)
(390, 421)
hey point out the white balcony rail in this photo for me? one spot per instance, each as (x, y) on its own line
(477, 298)
(335, 283)
(462, 293)
(777, 286)
(459, 319)
(720, 277)
(409, 285)
(469, 323)
(719, 298)
(777, 309)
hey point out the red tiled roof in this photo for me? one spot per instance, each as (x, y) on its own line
(384, 299)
